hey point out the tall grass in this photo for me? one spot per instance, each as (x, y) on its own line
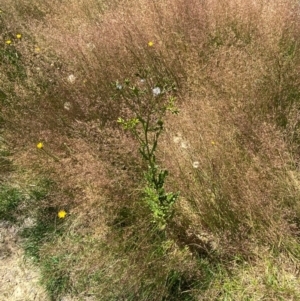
(232, 151)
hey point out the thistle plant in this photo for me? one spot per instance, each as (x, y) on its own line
(149, 105)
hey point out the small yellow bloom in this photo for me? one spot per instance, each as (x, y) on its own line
(19, 36)
(150, 44)
(62, 214)
(8, 42)
(213, 142)
(40, 145)
(37, 49)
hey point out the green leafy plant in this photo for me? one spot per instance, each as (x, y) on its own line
(149, 107)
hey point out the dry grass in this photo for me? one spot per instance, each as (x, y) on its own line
(231, 152)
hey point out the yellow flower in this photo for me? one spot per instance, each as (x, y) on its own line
(150, 44)
(19, 36)
(62, 214)
(213, 142)
(37, 49)
(8, 42)
(40, 145)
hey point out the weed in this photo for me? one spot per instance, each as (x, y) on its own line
(45, 228)
(41, 189)
(10, 198)
(54, 278)
(179, 287)
(45, 224)
(146, 127)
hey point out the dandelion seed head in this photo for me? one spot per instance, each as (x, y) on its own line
(196, 164)
(71, 79)
(119, 86)
(156, 91)
(90, 46)
(184, 145)
(177, 139)
(67, 106)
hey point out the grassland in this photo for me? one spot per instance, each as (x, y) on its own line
(168, 131)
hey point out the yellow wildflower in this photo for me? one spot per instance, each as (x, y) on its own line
(62, 214)
(40, 145)
(19, 36)
(213, 142)
(37, 49)
(150, 44)
(8, 42)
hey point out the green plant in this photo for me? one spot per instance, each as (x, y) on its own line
(44, 230)
(146, 127)
(9, 200)
(54, 277)
(41, 189)
(11, 57)
(46, 224)
(179, 286)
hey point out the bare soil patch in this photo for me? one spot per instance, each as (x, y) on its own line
(18, 277)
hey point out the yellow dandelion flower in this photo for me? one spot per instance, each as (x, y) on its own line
(150, 44)
(40, 145)
(62, 214)
(37, 49)
(8, 42)
(19, 36)
(213, 142)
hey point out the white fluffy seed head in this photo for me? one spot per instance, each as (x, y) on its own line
(156, 91)
(67, 106)
(71, 79)
(196, 164)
